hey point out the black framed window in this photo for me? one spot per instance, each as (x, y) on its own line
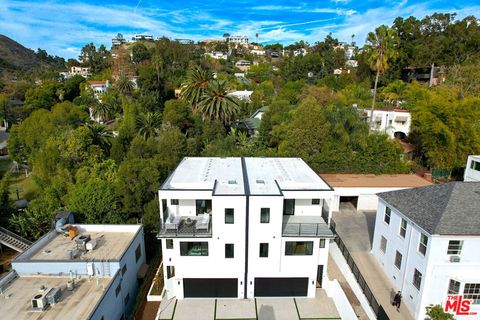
(315, 201)
(263, 250)
(289, 207)
(398, 260)
(322, 243)
(265, 215)
(403, 228)
(422, 245)
(453, 287)
(229, 216)
(229, 250)
(170, 272)
(174, 202)
(298, 248)
(138, 253)
(455, 247)
(191, 249)
(169, 243)
(472, 291)
(388, 213)
(383, 244)
(417, 279)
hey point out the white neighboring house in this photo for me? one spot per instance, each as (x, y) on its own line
(300, 52)
(242, 40)
(99, 87)
(244, 228)
(243, 65)
(360, 190)
(427, 239)
(258, 52)
(392, 121)
(82, 71)
(472, 171)
(241, 95)
(217, 55)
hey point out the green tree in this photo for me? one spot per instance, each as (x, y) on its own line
(380, 49)
(195, 86)
(147, 124)
(100, 135)
(436, 312)
(124, 85)
(216, 104)
(140, 53)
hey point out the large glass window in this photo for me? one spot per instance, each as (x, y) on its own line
(298, 248)
(383, 244)
(203, 206)
(229, 250)
(388, 213)
(315, 201)
(229, 216)
(322, 243)
(169, 243)
(138, 253)
(265, 215)
(455, 247)
(475, 165)
(289, 207)
(194, 248)
(403, 228)
(263, 250)
(422, 246)
(398, 260)
(170, 272)
(453, 287)
(417, 279)
(472, 291)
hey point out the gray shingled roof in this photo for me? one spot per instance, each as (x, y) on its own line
(445, 209)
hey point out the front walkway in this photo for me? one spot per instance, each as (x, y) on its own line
(320, 307)
(355, 228)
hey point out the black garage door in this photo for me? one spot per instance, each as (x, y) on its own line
(281, 287)
(210, 288)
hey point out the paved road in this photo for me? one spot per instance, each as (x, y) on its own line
(356, 231)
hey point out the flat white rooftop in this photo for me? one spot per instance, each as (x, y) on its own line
(77, 304)
(112, 242)
(225, 176)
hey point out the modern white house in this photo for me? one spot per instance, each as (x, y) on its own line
(392, 121)
(472, 171)
(241, 40)
(360, 190)
(244, 228)
(91, 274)
(243, 95)
(243, 65)
(427, 239)
(217, 55)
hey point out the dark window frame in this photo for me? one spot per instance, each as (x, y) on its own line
(229, 250)
(299, 248)
(229, 216)
(138, 252)
(265, 215)
(189, 247)
(263, 250)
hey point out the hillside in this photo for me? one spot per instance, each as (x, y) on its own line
(16, 58)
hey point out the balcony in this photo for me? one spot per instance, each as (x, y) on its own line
(305, 226)
(186, 227)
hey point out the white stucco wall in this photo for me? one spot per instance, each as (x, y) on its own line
(470, 174)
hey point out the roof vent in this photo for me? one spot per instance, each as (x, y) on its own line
(232, 181)
(260, 181)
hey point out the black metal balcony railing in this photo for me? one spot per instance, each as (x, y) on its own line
(186, 227)
(306, 230)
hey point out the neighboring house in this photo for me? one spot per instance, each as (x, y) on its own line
(118, 40)
(99, 87)
(300, 52)
(244, 228)
(241, 40)
(426, 240)
(433, 76)
(243, 95)
(217, 55)
(360, 190)
(139, 37)
(243, 65)
(251, 125)
(392, 121)
(340, 71)
(258, 52)
(94, 275)
(351, 63)
(185, 41)
(81, 71)
(472, 171)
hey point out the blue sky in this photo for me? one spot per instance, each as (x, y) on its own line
(63, 27)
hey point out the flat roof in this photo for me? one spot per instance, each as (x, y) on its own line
(112, 242)
(76, 304)
(289, 173)
(374, 181)
(225, 176)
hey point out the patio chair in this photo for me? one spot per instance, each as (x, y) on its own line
(202, 222)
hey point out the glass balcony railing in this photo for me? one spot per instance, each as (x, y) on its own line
(186, 227)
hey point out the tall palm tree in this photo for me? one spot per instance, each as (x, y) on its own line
(148, 124)
(100, 135)
(103, 111)
(124, 85)
(195, 85)
(217, 104)
(380, 49)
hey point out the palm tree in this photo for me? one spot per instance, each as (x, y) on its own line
(217, 104)
(103, 111)
(124, 85)
(100, 135)
(380, 48)
(148, 124)
(195, 85)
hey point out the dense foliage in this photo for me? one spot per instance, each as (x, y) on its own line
(109, 172)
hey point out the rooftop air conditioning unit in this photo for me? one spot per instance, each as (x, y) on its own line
(39, 301)
(53, 296)
(454, 258)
